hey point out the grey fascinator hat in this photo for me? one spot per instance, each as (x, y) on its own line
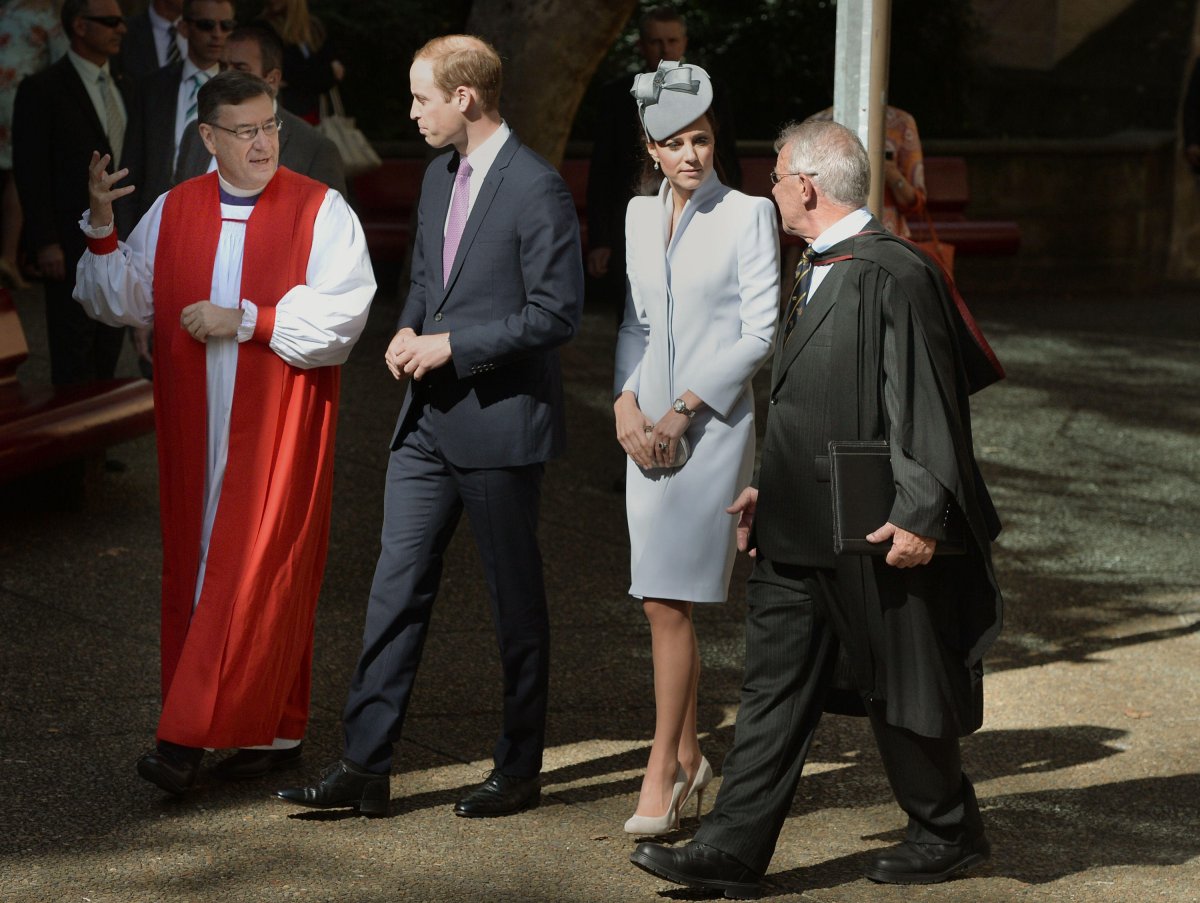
(672, 97)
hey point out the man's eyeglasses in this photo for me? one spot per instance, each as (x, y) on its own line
(777, 177)
(250, 132)
(226, 25)
(106, 21)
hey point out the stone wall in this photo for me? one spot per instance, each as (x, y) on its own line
(1095, 215)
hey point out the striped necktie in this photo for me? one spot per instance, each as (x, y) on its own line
(172, 46)
(197, 79)
(114, 121)
(799, 297)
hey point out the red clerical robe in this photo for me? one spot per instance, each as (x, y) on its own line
(237, 670)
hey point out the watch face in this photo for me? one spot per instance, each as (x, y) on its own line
(679, 406)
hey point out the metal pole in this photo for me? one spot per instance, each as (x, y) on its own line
(881, 28)
(860, 79)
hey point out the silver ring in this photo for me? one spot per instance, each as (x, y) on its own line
(663, 446)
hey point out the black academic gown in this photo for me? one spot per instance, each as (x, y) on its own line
(911, 637)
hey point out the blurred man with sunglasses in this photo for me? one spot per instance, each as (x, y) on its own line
(61, 115)
(252, 316)
(167, 99)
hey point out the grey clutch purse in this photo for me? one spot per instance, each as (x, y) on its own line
(683, 451)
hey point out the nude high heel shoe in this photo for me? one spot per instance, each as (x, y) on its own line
(653, 826)
(704, 776)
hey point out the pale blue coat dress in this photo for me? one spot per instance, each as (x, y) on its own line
(700, 314)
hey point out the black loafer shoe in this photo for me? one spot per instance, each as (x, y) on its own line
(926, 863)
(698, 865)
(171, 767)
(255, 763)
(500, 794)
(345, 786)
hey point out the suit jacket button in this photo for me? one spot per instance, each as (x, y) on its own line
(438, 316)
(774, 400)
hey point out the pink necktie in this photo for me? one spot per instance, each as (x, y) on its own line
(457, 220)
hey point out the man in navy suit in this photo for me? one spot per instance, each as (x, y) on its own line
(61, 115)
(167, 100)
(153, 40)
(497, 286)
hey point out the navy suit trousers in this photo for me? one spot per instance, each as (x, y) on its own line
(425, 496)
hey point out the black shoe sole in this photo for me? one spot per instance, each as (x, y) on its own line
(881, 876)
(733, 890)
(369, 808)
(500, 813)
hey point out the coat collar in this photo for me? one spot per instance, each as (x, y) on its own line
(821, 304)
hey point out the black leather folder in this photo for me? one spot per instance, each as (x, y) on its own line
(860, 471)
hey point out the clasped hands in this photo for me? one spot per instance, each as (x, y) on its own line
(908, 549)
(409, 354)
(649, 444)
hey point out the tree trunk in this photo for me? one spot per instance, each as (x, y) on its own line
(1183, 264)
(550, 50)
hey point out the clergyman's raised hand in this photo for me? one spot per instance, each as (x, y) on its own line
(101, 190)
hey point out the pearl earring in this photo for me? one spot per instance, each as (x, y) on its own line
(656, 165)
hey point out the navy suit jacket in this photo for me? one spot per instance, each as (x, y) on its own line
(514, 294)
(150, 138)
(55, 130)
(139, 54)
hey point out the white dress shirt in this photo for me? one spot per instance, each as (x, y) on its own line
(481, 160)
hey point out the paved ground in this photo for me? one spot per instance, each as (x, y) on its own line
(1087, 767)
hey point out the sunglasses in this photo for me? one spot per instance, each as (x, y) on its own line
(226, 25)
(106, 21)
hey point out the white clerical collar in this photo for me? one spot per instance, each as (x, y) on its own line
(482, 158)
(238, 192)
(850, 224)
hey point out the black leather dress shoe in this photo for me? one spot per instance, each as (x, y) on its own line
(171, 766)
(345, 786)
(926, 863)
(698, 865)
(500, 794)
(255, 763)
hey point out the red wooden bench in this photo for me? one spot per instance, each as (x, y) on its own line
(42, 426)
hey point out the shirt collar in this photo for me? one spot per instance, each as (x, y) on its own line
(86, 68)
(850, 224)
(159, 22)
(482, 158)
(190, 69)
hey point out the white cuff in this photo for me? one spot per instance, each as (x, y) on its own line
(85, 223)
(249, 320)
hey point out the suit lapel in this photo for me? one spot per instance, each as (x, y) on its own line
(818, 309)
(75, 89)
(479, 210)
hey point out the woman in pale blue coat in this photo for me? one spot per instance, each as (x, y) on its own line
(703, 292)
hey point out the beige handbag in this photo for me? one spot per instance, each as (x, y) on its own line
(353, 147)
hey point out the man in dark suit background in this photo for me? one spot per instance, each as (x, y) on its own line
(256, 49)
(618, 153)
(61, 115)
(872, 347)
(497, 286)
(166, 100)
(153, 40)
